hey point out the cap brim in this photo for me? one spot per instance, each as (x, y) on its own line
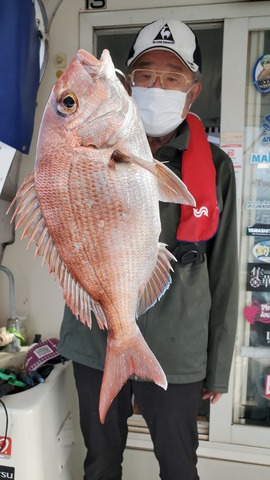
(191, 66)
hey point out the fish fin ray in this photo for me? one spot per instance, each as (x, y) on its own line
(159, 281)
(135, 358)
(170, 186)
(80, 302)
(35, 228)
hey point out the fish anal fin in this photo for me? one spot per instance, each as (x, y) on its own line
(122, 361)
(81, 303)
(159, 281)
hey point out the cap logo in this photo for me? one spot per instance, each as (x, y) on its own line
(164, 36)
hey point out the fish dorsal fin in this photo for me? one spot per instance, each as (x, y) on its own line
(171, 188)
(93, 66)
(159, 281)
(28, 207)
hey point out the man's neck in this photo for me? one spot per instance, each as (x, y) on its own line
(157, 142)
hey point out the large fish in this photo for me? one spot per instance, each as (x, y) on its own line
(92, 208)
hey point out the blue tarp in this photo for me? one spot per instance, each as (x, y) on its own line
(19, 72)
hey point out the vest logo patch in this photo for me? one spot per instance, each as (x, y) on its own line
(164, 36)
(199, 212)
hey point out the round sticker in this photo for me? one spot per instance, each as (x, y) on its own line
(261, 74)
(262, 251)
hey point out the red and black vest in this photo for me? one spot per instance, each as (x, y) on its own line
(198, 223)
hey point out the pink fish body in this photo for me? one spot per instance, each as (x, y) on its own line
(92, 207)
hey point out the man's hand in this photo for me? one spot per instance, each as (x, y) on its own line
(214, 397)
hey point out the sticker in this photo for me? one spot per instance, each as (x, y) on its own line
(5, 446)
(96, 4)
(261, 251)
(258, 278)
(234, 151)
(7, 472)
(265, 137)
(266, 123)
(260, 157)
(258, 205)
(43, 351)
(267, 386)
(257, 312)
(261, 74)
(258, 229)
(6, 157)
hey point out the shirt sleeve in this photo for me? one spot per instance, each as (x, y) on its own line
(222, 257)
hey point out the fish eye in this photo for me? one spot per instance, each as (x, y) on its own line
(67, 103)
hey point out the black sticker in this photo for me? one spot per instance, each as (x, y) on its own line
(258, 278)
(258, 229)
(95, 4)
(7, 472)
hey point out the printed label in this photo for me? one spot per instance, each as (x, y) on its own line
(258, 229)
(257, 312)
(96, 4)
(258, 278)
(5, 446)
(7, 472)
(43, 351)
(258, 205)
(258, 157)
(261, 74)
(265, 136)
(267, 386)
(262, 251)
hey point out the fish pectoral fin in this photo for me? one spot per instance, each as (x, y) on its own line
(159, 281)
(120, 157)
(123, 359)
(170, 186)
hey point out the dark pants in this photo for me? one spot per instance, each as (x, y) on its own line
(171, 417)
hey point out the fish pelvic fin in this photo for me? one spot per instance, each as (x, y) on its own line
(124, 360)
(30, 217)
(159, 281)
(170, 186)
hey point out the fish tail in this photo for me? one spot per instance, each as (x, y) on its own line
(135, 358)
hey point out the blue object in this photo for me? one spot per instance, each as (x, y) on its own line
(19, 72)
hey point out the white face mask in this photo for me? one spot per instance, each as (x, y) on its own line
(161, 110)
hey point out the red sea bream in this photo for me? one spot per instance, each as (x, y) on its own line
(92, 208)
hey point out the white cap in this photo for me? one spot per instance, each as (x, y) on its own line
(168, 34)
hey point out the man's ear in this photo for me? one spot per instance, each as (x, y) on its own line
(127, 85)
(191, 97)
(195, 92)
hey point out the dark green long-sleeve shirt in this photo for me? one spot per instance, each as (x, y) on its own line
(191, 330)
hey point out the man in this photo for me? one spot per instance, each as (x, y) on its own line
(191, 330)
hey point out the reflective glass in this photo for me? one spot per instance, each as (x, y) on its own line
(169, 80)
